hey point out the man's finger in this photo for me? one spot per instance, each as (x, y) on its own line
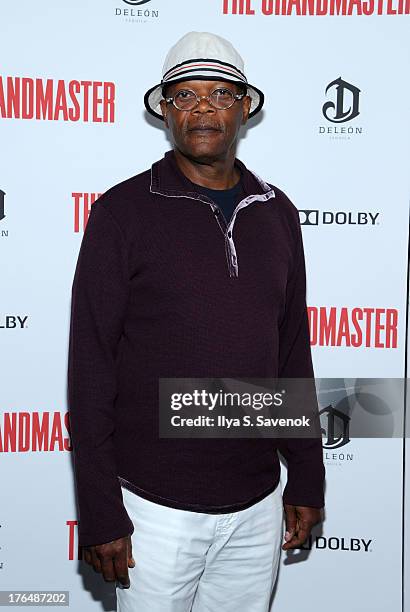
(306, 517)
(95, 560)
(297, 540)
(107, 567)
(291, 521)
(87, 556)
(120, 565)
(131, 560)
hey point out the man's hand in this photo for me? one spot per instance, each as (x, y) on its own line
(112, 559)
(299, 522)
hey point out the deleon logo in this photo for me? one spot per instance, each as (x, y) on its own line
(346, 104)
(336, 427)
(3, 232)
(2, 214)
(137, 13)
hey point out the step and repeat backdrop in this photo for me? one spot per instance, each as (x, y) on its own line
(334, 135)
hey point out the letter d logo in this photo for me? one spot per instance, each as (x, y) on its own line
(2, 194)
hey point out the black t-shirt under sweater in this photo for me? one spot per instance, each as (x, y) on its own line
(226, 199)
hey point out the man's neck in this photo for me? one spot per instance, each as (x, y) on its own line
(216, 174)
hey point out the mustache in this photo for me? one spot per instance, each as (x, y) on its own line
(204, 126)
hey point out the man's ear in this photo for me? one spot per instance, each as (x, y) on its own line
(163, 105)
(246, 107)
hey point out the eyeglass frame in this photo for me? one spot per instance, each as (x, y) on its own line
(171, 99)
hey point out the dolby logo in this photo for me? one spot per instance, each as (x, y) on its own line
(347, 544)
(13, 322)
(340, 217)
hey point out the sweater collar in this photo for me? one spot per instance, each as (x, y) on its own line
(168, 179)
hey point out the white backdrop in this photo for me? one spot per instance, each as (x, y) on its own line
(51, 169)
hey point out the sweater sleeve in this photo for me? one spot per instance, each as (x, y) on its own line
(98, 304)
(304, 456)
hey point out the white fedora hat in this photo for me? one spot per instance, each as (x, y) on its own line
(202, 56)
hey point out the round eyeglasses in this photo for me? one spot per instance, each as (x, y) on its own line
(220, 98)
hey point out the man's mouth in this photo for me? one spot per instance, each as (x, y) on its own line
(204, 128)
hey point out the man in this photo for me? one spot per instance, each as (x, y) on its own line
(194, 268)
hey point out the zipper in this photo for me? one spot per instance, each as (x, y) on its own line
(230, 249)
(227, 231)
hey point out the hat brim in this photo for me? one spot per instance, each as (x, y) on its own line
(153, 96)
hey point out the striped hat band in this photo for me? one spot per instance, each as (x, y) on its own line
(201, 65)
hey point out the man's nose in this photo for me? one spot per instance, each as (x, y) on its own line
(204, 106)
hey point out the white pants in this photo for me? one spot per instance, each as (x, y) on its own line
(196, 562)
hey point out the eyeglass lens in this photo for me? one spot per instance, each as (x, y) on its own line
(220, 98)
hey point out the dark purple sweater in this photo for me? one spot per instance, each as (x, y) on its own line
(163, 289)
